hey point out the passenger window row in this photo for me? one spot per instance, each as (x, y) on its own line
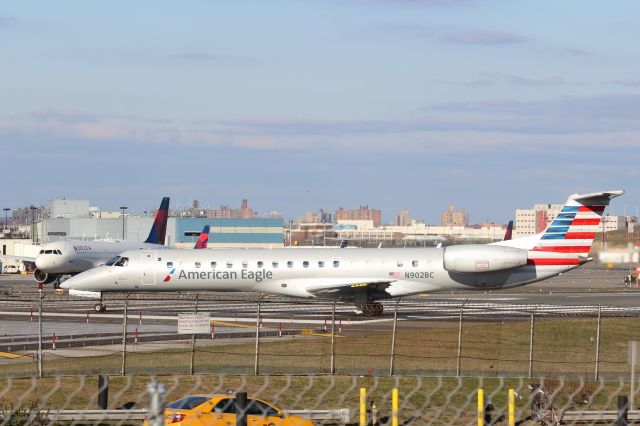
(274, 264)
(414, 263)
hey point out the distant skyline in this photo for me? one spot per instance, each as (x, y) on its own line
(387, 217)
(490, 105)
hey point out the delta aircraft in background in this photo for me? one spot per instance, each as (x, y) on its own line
(363, 276)
(508, 235)
(61, 258)
(69, 257)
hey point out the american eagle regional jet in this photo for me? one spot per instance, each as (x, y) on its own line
(363, 276)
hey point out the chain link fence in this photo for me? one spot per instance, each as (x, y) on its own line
(562, 363)
(352, 400)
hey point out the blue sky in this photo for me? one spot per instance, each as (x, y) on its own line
(491, 105)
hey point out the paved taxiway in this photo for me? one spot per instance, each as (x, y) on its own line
(155, 314)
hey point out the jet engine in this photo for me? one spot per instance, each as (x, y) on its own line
(482, 258)
(43, 277)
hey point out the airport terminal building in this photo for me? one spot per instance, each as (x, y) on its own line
(181, 231)
(74, 219)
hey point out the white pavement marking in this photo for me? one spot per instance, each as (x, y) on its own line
(175, 318)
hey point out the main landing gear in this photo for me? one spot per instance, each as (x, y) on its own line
(99, 307)
(370, 308)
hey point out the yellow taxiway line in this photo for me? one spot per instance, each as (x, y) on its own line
(231, 324)
(12, 356)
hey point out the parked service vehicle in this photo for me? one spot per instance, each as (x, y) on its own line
(220, 410)
(11, 269)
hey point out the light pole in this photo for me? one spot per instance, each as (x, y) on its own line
(33, 223)
(6, 215)
(123, 208)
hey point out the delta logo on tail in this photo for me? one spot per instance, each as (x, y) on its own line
(159, 228)
(508, 235)
(203, 239)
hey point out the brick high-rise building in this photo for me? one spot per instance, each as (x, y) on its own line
(403, 218)
(361, 213)
(535, 220)
(453, 217)
(243, 212)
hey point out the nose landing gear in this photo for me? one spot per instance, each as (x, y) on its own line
(99, 307)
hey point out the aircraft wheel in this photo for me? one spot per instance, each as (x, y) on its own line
(99, 307)
(371, 309)
(378, 309)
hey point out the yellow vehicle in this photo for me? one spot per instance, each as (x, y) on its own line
(220, 410)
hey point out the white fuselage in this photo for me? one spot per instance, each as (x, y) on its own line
(326, 272)
(74, 256)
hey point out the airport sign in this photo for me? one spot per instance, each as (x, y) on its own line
(194, 323)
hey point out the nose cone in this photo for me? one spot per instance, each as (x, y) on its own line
(44, 262)
(95, 279)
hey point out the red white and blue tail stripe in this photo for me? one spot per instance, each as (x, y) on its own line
(567, 241)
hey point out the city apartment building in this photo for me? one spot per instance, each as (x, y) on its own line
(453, 217)
(402, 218)
(361, 213)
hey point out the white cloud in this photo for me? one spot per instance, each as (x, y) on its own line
(607, 120)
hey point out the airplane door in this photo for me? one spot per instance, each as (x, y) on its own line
(147, 274)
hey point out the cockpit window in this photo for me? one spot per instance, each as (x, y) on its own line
(58, 252)
(111, 261)
(123, 261)
(48, 251)
(41, 251)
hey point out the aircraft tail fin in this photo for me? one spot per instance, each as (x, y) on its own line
(203, 239)
(509, 233)
(571, 233)
(159, 228)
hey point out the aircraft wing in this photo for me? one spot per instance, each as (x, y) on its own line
(349, 288)
(19, 258)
